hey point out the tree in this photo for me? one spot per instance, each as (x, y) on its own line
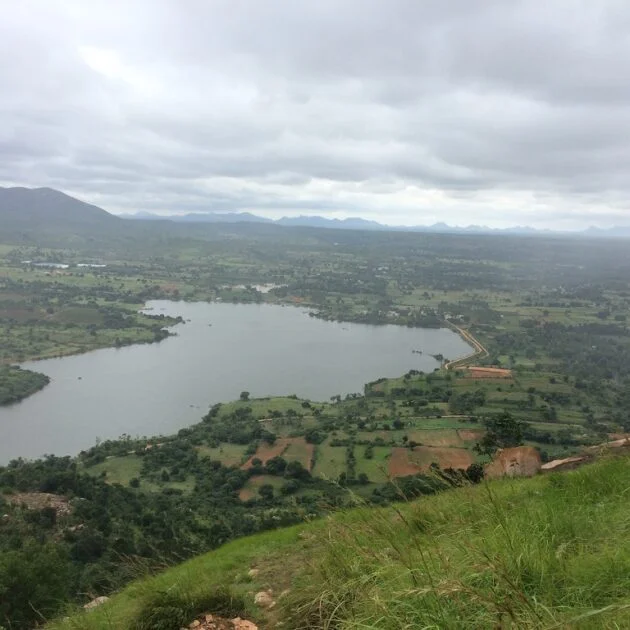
(363, 479)
(296, 470)
(34, 582)
(244, 396)
(502, 431)
(266, 491)
(276, 465)
(475, 473)
(314, 436)
(291, 486)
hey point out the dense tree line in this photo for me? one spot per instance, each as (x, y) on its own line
(16, 383)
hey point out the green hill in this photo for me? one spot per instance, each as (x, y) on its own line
(40, 215)
(548, 552)
(24, 206)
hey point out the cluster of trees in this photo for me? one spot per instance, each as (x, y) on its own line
(16, 383)
(112, 532)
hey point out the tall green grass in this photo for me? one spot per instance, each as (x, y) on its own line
(550, 552)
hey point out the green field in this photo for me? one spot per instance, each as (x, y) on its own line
(376, 467)
(330, 461)
(118, 469)
(227, 454)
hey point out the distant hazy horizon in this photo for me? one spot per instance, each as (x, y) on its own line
(407, 113)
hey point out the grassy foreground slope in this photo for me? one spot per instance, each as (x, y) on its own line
(548, 552)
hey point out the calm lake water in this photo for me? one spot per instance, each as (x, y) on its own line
(224, 349)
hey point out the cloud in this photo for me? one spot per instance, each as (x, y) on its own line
(470, 111)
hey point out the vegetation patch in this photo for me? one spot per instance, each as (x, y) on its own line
(17, 384)
(266, 451)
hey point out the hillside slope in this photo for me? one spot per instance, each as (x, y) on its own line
(44, 216)
(548, 552)
(26, 205)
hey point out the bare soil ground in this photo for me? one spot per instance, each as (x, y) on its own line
(437, 437)
(488, 372)
(40, 500)
(399, 464)
(266, 451)
(470, 435)
(424, 456)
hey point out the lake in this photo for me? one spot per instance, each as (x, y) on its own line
(222, 350)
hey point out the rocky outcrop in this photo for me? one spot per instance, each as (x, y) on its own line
(41, 500)
(212, 622)
(97, 601)
(568, 463)
(264, 599)
(520, 461)
(615, 444)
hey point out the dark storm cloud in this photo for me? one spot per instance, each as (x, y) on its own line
(467, 111)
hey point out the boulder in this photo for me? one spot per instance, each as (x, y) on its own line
(97, 601)
(264, 599)
(243, 624)
(519, 461)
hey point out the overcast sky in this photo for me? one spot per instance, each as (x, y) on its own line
(495, 112)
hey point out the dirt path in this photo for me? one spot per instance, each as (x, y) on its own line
(480, 350)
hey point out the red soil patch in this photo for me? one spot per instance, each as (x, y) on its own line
(437, 437)
(520, 461)
(405, 461)
(266, 451)
(445, 457)
(399, 464)
(488, 372)
(251, 489)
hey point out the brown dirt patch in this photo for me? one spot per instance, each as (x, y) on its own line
(40, 500)
(488, 372)
(470, 435)
(266, 451)
(399, 464)
(437, 437)
(424, 456)
(212, 622)
(169, 287)
(405, 461)
(520, 461)
(250, 489)
(301, 451)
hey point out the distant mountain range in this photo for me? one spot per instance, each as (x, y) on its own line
(46, 209)
(357, 223)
